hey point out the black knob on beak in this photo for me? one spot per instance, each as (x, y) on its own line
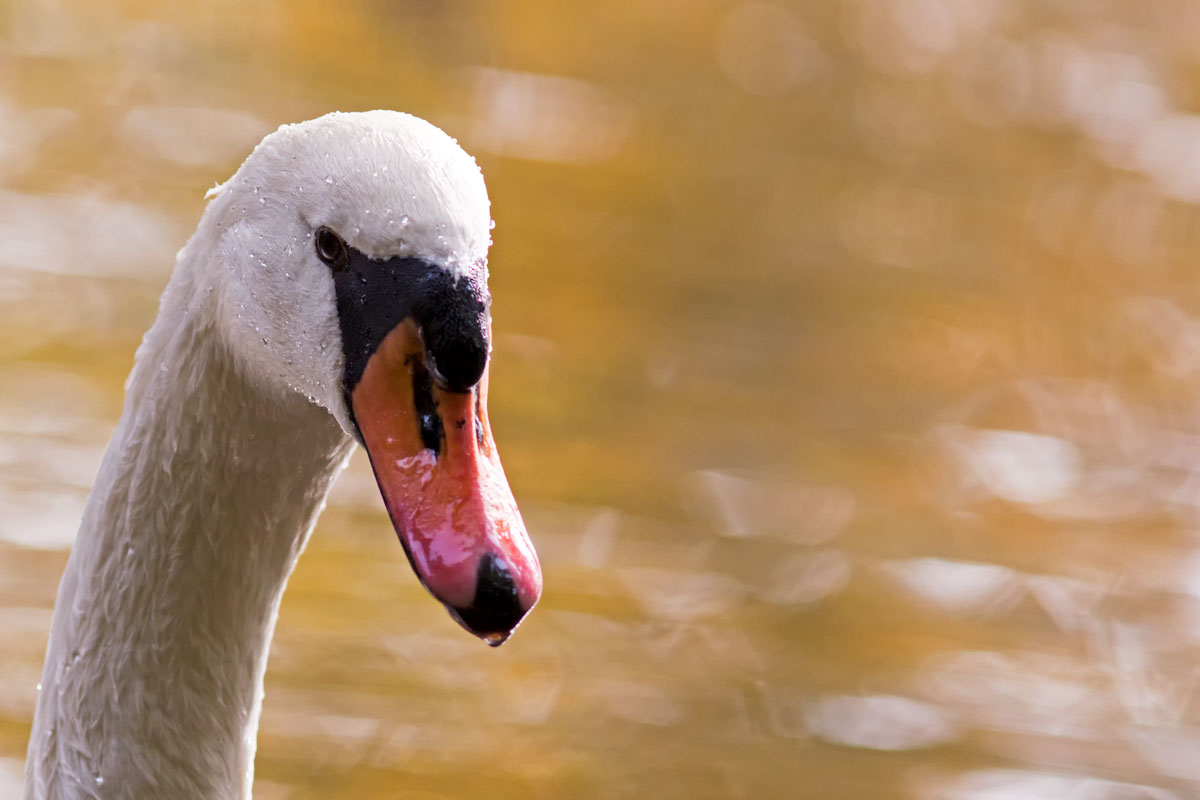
(452, 313)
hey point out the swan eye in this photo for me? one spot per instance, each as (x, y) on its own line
(331, 249)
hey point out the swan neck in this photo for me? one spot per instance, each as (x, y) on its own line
(205, 498)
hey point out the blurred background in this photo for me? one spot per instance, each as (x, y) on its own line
(846, 369)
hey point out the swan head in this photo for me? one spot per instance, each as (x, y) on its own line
(352, 269)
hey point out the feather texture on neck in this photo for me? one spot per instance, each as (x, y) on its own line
(204, 500)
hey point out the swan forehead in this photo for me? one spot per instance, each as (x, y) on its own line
(390, 183)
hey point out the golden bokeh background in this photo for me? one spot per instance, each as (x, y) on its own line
(846, 370)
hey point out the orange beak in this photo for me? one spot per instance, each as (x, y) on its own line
(437, 467)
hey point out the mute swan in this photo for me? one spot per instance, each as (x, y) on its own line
(335, 291)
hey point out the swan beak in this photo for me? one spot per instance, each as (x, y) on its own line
(437, 467)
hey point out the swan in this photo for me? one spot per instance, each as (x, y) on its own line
(334, 292)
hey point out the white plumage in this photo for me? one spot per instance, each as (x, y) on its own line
(234, 426)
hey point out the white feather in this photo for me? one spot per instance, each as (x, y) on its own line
(233, 429)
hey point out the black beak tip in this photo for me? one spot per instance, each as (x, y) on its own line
(496, 610)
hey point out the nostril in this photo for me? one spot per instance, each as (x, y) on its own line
(426, 407)
(496, 609)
